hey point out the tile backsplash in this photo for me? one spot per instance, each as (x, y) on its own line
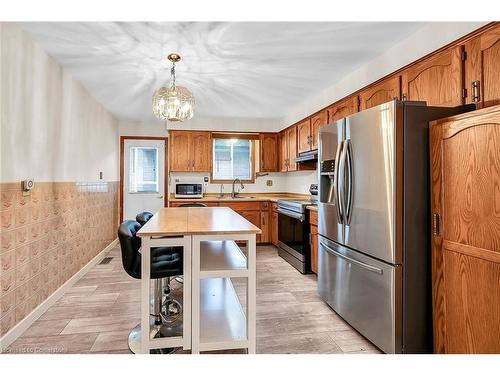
(47, 237)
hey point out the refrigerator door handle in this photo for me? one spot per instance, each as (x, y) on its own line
(350, 186)
(367, 267)
(342, 182)
(336, 195)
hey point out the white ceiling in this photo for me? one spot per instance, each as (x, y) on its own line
(244, 70)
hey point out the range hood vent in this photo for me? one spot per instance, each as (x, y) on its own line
(308, 156)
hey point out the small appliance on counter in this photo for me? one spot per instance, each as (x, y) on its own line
(188, 187)
(293, 230)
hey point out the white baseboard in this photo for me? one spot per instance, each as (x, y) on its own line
(24, 324)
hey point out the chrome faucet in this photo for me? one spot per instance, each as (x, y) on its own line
(221, 191)
(233, 193)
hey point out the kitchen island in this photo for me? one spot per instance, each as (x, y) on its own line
(213, 318)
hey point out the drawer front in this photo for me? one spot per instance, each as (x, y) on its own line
(313, 217)
(242, 206)
(363, 291)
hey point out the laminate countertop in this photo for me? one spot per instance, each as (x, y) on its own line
(246, 197)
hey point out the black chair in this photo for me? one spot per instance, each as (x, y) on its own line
(195, 204)
(143, 217)
(165, 263)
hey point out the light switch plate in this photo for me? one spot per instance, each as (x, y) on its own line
(269, 182)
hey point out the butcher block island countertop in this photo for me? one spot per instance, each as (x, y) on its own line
(176, 221)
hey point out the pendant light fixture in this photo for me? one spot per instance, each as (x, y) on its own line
(175, 103)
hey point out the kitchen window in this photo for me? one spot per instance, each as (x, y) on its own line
(233, 158)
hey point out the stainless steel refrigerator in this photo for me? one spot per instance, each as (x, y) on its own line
(373, 223)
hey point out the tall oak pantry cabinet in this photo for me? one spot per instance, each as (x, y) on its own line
(465, 203)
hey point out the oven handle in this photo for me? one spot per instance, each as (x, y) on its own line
(351, 260)
(295, 215)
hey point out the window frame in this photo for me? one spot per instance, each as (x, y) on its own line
(239, 136)
(157, 166)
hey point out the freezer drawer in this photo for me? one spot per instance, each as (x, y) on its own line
(365, 292)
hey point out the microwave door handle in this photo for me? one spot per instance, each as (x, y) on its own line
(366, 266)
(349, 177)
(336, 195)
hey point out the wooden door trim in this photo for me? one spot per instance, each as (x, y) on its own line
(437, 260)
(123, 138)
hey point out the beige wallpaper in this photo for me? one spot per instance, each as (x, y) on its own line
(47, 237)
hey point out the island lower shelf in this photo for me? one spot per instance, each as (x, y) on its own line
(223, 323)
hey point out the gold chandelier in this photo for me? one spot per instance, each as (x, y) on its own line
(175, 103)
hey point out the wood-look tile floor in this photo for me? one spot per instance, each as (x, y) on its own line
(98, 312)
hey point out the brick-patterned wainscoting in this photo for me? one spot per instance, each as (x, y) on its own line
(47, 237)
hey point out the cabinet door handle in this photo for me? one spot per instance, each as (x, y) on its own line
(436, 224)
(476, 92)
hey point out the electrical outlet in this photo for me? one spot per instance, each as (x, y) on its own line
(269, 182)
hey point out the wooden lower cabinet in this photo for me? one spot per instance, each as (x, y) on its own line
(313, 219)
(274, 227)
(465, 162)
(264, 226)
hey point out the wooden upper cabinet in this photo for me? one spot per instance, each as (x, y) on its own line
(288, 149)
(200, 151)
(269, 152)
(317, 121)
(383, 92)
(437, 80)
(304, 136)
(482, 68)
(190, 151)
(283, 146)
(179, 151)
(292, 148)
(343, 109)
(465, 167)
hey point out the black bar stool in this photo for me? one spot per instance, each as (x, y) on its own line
(195, 204)
(165, 263)
(172, 308)
(143, 217)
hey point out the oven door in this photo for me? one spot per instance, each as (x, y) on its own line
(293, 238)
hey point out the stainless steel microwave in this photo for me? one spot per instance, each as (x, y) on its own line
(188, 190)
